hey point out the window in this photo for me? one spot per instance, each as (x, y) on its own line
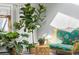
(5, 23)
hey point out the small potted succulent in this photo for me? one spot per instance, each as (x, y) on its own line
(41, 41)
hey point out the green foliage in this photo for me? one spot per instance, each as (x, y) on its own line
(30, 16)
(6, 39)
(41, 40)
(31, 46)
(2, 35)
(17, 25)
(9, 41)
(12, 35)
(19, 46)
(25, 35)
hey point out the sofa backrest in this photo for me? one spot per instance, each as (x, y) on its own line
(68, 37)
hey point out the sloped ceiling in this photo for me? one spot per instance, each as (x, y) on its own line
(65, 22)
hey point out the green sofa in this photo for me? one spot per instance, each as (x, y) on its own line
(68, 40)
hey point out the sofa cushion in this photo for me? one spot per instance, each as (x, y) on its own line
(64, 36)
(75, 34)
(61, 46)
(67, 38)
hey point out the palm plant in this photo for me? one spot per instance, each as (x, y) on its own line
(30, 17)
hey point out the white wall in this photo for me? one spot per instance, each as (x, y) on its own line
(52, 9)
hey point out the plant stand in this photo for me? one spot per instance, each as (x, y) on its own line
(33, 51)
(42, 50)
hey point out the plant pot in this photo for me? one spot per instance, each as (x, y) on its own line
(12, 51)
(32, 50)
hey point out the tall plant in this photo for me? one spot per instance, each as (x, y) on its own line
(30, 17)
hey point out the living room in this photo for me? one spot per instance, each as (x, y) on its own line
(39, 29)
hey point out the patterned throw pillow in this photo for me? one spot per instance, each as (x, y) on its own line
(75, 34)
(67, 39)
(65, 36)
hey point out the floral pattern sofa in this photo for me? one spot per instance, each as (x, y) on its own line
(68, 40)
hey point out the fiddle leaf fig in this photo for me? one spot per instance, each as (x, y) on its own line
(30, 17)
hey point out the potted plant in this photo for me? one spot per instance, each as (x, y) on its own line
(13, 46)
(10, 38)
(19, 46)
(30, 18)
(31, 48)
(16, 48)
(7, 40)
(41, 41)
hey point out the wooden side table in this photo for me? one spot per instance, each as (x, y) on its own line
(42, 50)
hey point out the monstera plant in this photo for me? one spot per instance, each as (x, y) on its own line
(30, 18)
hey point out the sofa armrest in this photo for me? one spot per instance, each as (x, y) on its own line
(76, 46)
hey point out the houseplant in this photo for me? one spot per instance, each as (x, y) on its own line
(31, 48)
(30, 18)
(9, 41)
(16, 48)
(41, 41)
(13, 46)
(19, 46)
